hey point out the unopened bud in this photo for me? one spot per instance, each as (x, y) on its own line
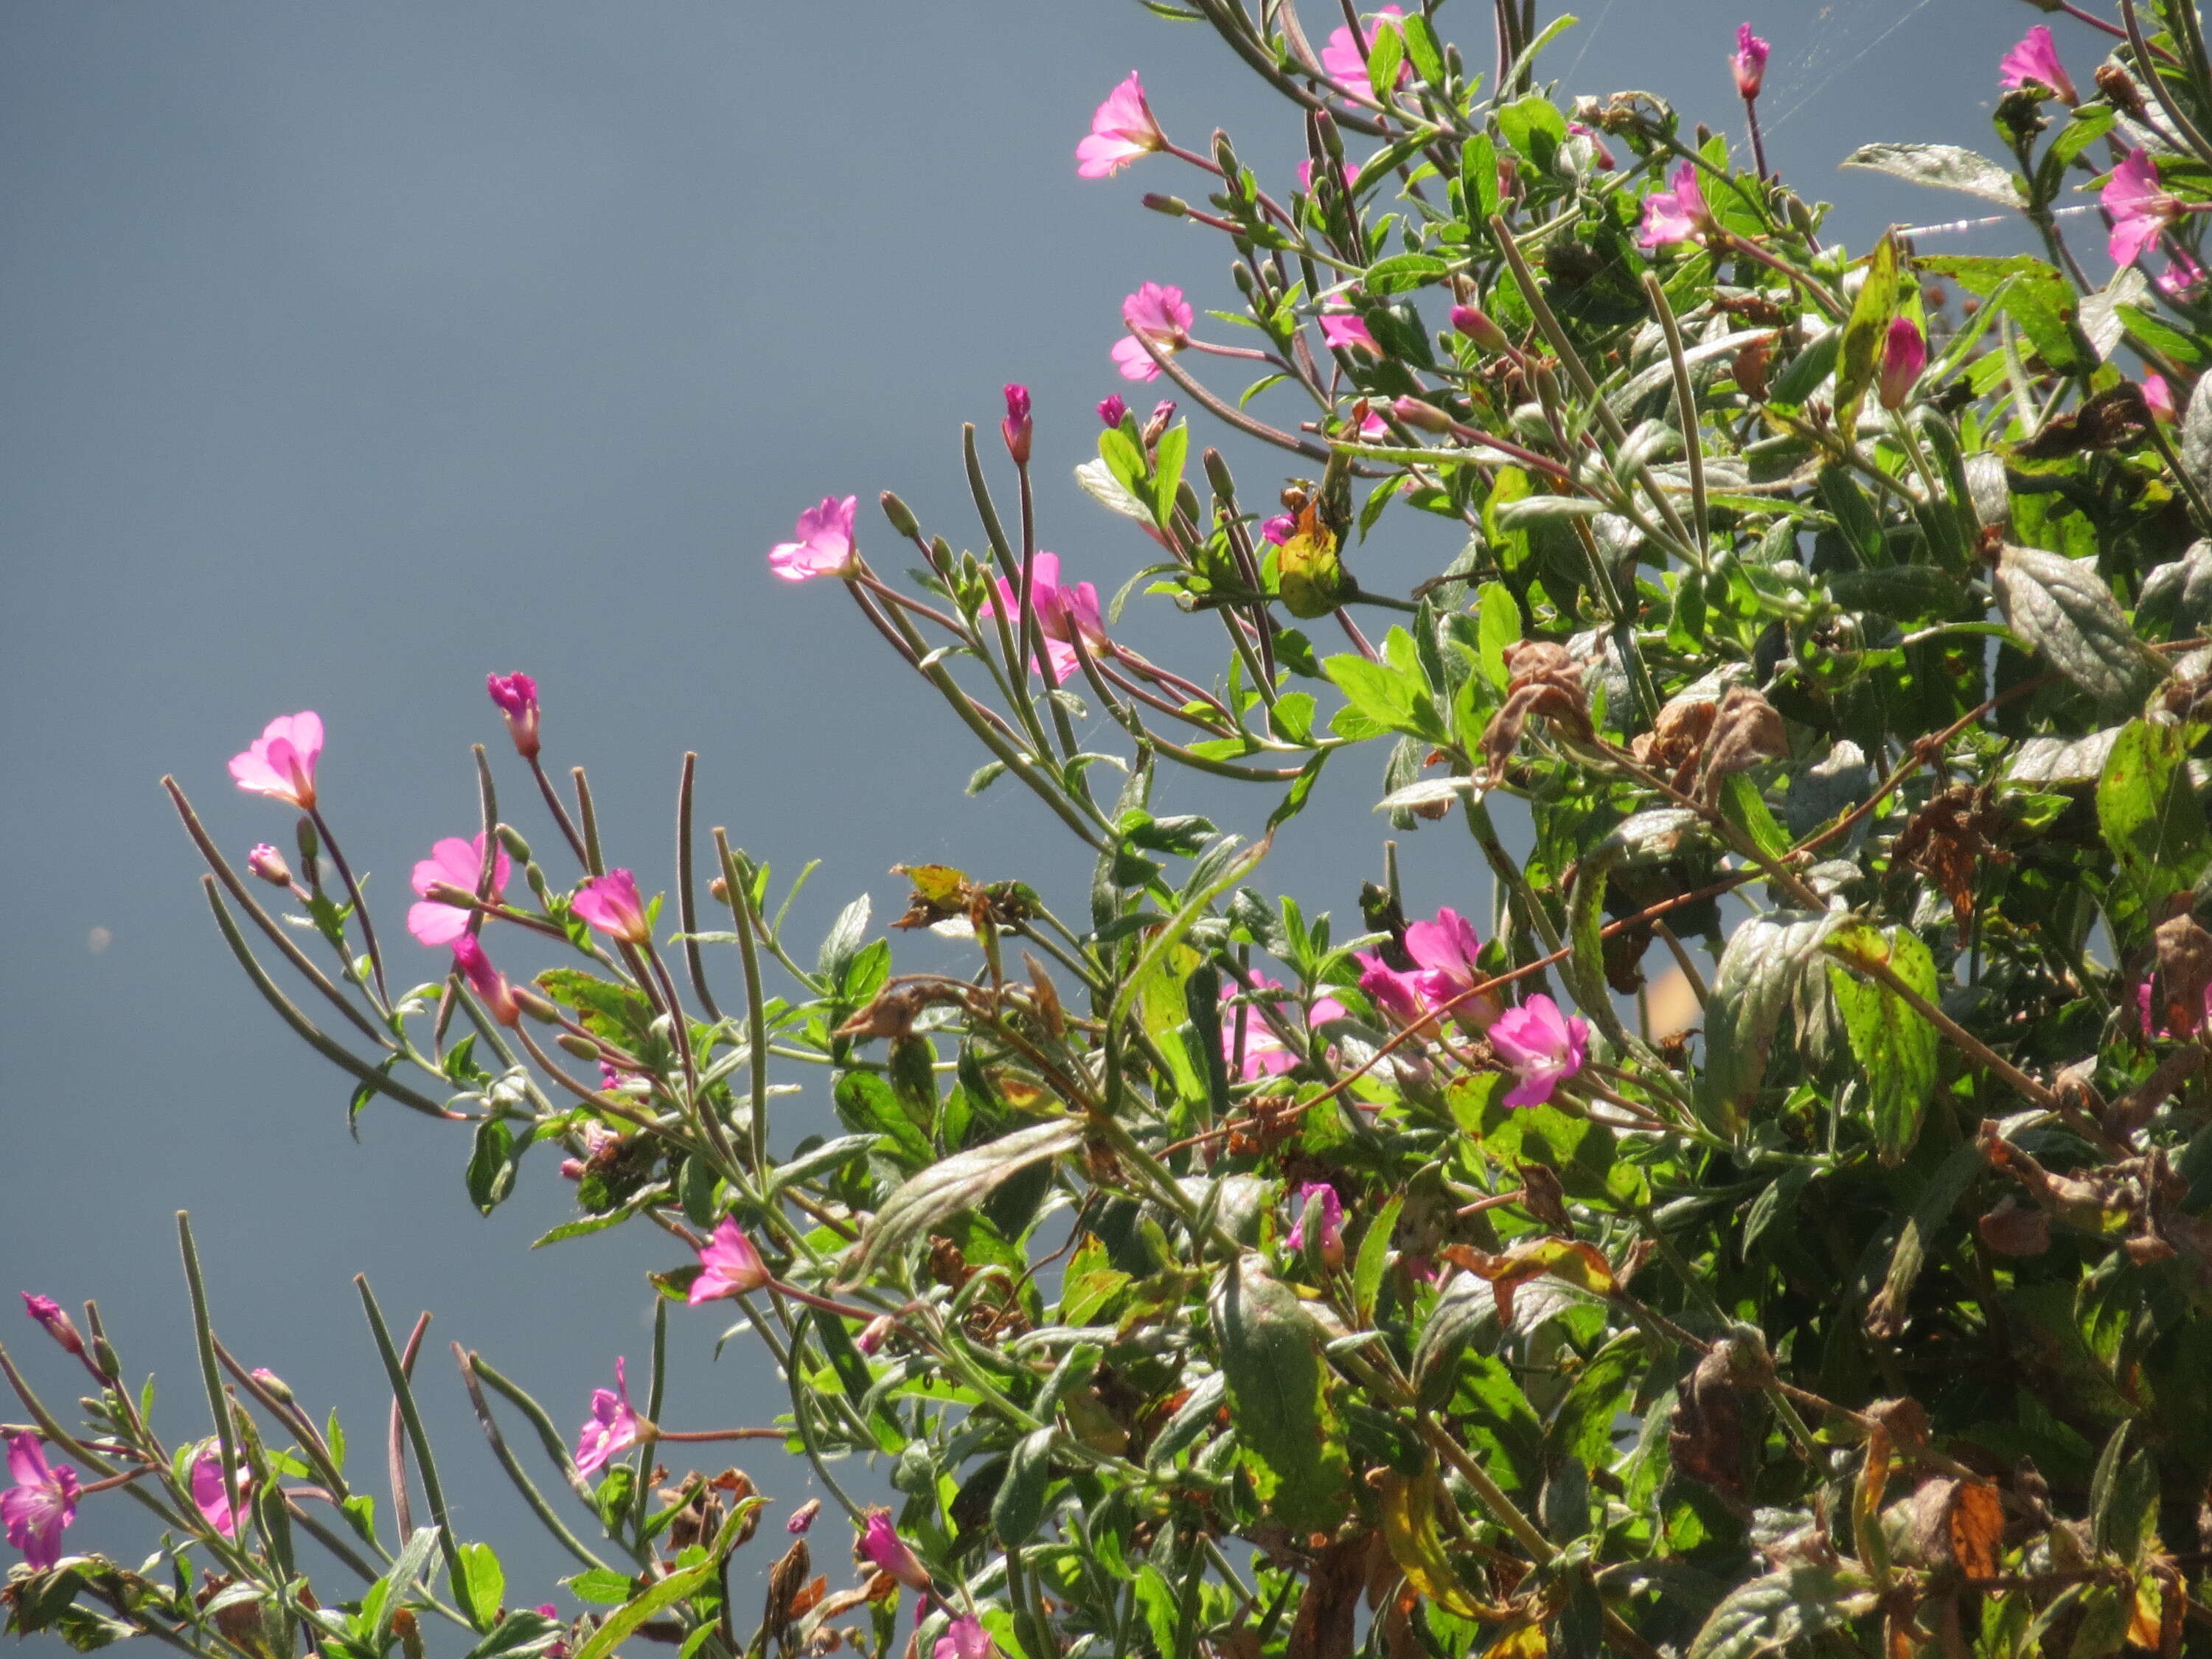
(511, 839)
(1332, 141)
(48, 1312)
(873, 1334)
(105, 1359)
(277, 1388)
(534, 1006)
(1426, 417)
(1217, 475)
(582, 1046)
(1476, 323)
(1162, 412)
(310, 844)
(720, 890)
(1225, 157)
(1173, 206)
(901, 515)
(1018, 427)
(267, 862)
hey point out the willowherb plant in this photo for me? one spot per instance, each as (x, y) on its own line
(1213, 1280)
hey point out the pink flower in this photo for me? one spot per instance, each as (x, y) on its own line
(1541, 1043)
(1749, 63)
(1017, 427)
(2140, 210)
(1060, 612)
(1347, 331)
(1264, 1054)
(267, 862)
(1280, 529)
(882, 1546)
(1347, 63)
(281, 763)
(1396, 995)
(1122, 129)
(1903, 354)
(1161, 316)
(2158, 396)
(1444, 950)
(1112, 412)
(613, 1425)
(1331, 1222)
(453, 863)
(56, 1324)
(611, 903)
(2182, 278)
(1373, 429)
(487, 981)
(41, 1502)
(875, 1334)
(516, 694)
(825, 547)
(1678, 215)
(728, 1265)
(219, 1509)
(963, 1638)
(2036, 59)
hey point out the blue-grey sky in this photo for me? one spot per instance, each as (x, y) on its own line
(347, 352)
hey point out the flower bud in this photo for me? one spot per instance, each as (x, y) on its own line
(1903, 354)
(48, 1312)
(1173, 206)
(582, 1046)
(511, 839)
(1112, 412)
(516, 694)
(875, 1333)
(1017, 427)
(802, 1516)
(278, 1389)
(1162, 412)
(311, 847)
(1471, 321)
(267, 862)
(534, 1004)
(105, 1359)
(901, 515)
(1424, 416)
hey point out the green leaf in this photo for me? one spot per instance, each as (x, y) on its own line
(1271, 1357)
(1744, 806)
(1374, 1256)
(1498, 625)
(1405, 271)
(957, 1183)
(1381, 694)
(2149, 814)
(1871, 315)
(1385, 52)
(1018, 1509)
(1769, 1614)
(1422, 51)
(2034, 294)
(843, 939)
(491, 1165)
(622, 1624)
(2061, 608)
(1759, 978)
(1941, 166)
(601, 1585)
(1167, 475)
(1896, 1049)
(487, 1584)
(1582, 1427)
